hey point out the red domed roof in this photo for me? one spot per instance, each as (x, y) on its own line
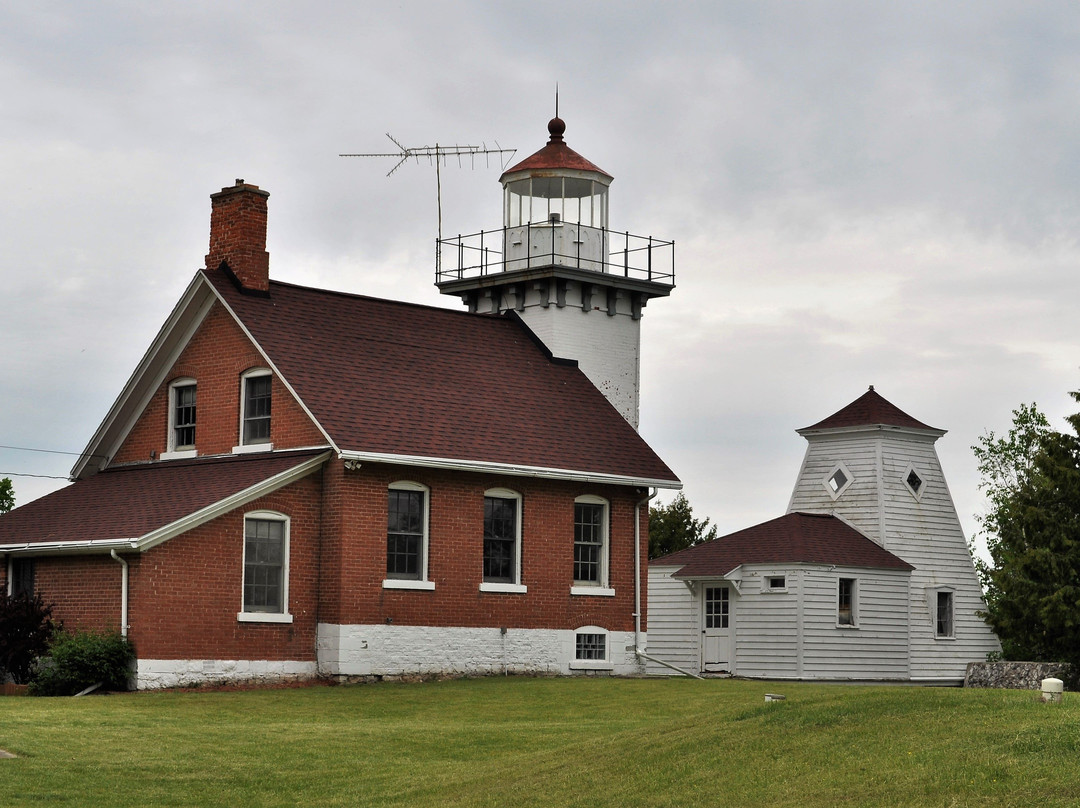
(555, 156)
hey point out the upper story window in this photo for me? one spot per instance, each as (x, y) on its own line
(181, 442)
(591, 546)
(407, 537)
(502, 541)
(255, 399)
(914, 482)
(266, 568)
(838, 480)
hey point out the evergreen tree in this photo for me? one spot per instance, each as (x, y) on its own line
(673, 527)
(1032, 529)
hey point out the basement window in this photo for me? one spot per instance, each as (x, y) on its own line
(591, 649)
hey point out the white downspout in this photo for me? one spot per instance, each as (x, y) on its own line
(123, 595)
(638, 650)
(637, 570)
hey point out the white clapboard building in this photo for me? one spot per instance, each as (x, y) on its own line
(867, 577)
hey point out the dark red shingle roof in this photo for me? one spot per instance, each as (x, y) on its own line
(869, 409)
(126, 502)
(398, 378)
(792, 538)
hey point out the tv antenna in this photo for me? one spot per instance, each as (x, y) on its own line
(438, 155)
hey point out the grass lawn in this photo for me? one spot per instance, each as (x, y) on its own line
(545, 742)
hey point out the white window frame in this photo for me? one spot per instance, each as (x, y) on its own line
(515, 586)
(907, 473)
(242, 447)
(827, 484)
(854, 602)
(604, 664)
(422, 582)
(936, 594)
(171, 452)
(600, 587)
(267, 617)
(766, 583)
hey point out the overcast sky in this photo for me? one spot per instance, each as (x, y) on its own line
(860, 193)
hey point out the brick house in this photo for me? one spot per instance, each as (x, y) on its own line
(297, 482)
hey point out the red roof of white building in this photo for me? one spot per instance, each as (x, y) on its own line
(804, 538)
(869, 409)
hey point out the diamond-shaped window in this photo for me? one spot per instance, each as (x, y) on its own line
(837, 481)
(914, 482)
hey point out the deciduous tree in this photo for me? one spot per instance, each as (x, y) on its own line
(7, 495)
(673, 527)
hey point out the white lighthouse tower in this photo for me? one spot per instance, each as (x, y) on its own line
(579, 286)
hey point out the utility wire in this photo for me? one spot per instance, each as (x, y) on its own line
(52, 451)
(42, 476)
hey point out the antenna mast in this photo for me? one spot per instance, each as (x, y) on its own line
(439, 155)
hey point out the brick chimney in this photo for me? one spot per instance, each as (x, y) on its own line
(238, 235)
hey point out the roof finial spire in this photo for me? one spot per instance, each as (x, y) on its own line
(871, 388)
(556, 99)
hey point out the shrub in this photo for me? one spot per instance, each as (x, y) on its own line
(26, 626)
(79, 660)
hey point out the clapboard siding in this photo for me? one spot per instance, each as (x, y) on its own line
(794, 633)
(674, 623)
(923, 530)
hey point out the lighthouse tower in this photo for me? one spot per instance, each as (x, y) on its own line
(580, 287)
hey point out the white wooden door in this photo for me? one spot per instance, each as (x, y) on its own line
(716, 629)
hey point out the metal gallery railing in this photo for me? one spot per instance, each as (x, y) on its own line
(558, 244)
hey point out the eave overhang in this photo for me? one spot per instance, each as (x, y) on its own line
(513, 470)
(175, 528)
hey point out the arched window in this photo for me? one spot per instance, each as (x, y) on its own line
(407, 536)
(502, 541)
(266, 568)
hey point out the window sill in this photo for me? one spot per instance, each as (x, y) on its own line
(946, 639)
(513, 589)
(847, 627)
(253, 447)
(180, 455)
(591, 665)
(597, 591)
(405, 583)
(263, 617)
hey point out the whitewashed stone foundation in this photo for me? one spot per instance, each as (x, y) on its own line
(388, 650)
(152, 674)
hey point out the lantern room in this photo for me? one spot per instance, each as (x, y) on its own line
(556, 185)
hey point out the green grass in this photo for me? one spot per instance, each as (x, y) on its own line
(545, 742)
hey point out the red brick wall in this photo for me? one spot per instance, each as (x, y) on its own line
(85, 590)
(354, 558)
(186, 593)
(215, 357)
